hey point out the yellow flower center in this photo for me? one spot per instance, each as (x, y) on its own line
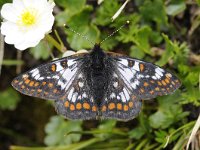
(28, 17)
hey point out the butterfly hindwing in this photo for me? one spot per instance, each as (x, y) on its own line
(144, 79)
(78, 102)
(119, 102)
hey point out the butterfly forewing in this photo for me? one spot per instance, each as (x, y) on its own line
(49, 81)
(144, 79)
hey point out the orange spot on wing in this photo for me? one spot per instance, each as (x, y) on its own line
(27, 81)
(44, 83)
(177, 81)
(36, 84)
(159, 83)
(104, 108)
(78, 106)
(133, 97)
(168, 75)
(141, 67)
(167, 80)
(163, 82)
(15, 81)
(146, 84)
(46, 93)
(86, 105)
(119, 106)
(142, 90)
(157, 88)
(39, 90)
(55, 90)
(22, 87)
(50, 85)
(125, 107)
(111, 106)
(66, 104)
(31, 83)
(152, 81)
(151, 92)
(130, 104)
(94, 108)
(72, 107)
(53, 67)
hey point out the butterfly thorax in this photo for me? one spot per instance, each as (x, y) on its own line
(98, 73)
(97, 58)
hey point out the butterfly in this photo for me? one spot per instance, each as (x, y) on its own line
(97, 85)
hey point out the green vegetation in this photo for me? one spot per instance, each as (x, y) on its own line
(162, 32)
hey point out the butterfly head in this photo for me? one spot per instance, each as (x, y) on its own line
(97, 57)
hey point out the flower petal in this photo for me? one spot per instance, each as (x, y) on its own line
(9, 13)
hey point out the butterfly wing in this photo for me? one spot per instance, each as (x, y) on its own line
(61, 81)
(134, 80)
(120, 102)
(78, 102)
(144, 79)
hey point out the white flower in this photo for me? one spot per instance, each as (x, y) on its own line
(26, 22)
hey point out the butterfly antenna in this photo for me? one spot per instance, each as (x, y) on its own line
(85, 37)
(127, 22)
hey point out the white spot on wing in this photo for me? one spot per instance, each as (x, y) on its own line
(159, 71)
(124, 62)
(112, 95)
(70, 94)
(123, 98)
(126, 94)
(41, 78)
(74, 97)
(136, 66)
(115, 84)
(80, 84)
(70, 62)
(68, 74)
(34, 72)
(84, 95)
(58, 67)
(135, 83)
(56, 77)
(154, 77)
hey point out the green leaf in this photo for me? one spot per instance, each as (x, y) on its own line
(58, 131)
(136, 53)
(137, 133)
(161, 136)
(9, 99)
(154, 10)
(138, 35)
(41, 51)
(105, 12)
(175, 8)
(108, 126)
(169, 111)
(72, 7)
(80, 23)
(169, 51)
